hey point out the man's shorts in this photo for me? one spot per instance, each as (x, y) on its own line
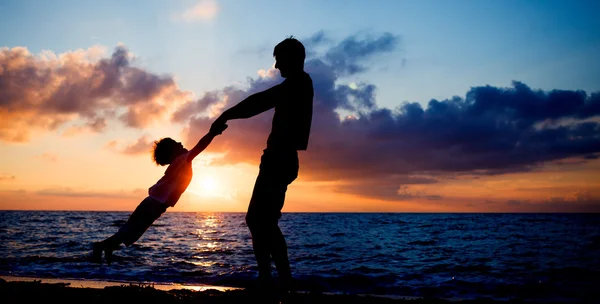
(141, 219)
(277, 171)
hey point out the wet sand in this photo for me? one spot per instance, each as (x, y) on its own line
(64, 291)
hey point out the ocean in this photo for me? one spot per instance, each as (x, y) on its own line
(553, 257)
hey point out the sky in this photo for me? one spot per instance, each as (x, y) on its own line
(420, 106)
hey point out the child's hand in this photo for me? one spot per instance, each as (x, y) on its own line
(217, 129)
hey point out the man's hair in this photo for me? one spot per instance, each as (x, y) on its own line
(290, 48)
(162, 151)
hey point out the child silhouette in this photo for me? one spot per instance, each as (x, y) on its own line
(162, 195)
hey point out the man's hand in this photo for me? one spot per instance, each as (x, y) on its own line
(218, 127)
(221, 120)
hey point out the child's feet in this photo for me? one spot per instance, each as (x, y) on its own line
(97, 252)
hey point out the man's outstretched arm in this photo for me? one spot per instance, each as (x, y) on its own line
(251, 106)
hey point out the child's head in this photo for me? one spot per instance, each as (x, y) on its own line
(166, 150)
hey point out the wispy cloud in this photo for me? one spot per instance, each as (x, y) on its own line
(69, 192)
(49, 157)
(6, 177)
(574, 202)
(201, 11)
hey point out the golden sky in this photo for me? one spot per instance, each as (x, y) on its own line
(77, 128)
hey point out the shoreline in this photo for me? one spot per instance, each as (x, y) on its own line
(40, 289)
(15, 289)
(65, 291)
(101, 284)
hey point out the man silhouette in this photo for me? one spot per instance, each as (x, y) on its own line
(293, 103)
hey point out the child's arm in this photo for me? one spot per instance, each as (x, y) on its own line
(205, 141)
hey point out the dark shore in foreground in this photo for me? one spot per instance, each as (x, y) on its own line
(40, 292)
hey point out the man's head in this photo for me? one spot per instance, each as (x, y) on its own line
(166, 150)
(289, 56)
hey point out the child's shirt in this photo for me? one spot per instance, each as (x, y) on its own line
(177, 178)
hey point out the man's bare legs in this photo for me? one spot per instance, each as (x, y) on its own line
(279, 253)
(277, 171)
(268, 242)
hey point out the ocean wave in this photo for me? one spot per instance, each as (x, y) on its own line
(446, 255)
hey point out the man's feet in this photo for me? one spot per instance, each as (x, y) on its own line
(286, 287)
(264, 294)
(97, 252)
(108, 255)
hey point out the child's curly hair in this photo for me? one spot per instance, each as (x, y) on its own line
(162, 151)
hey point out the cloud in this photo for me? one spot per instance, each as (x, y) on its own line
(390, 188)
(371, 150)
(491, 130)
(142, 145)
(44, 92)
(578, 201)
(346, 58)
(317, 39)
(49, 157)
(203, 10)
(69, 192)
(6, 177)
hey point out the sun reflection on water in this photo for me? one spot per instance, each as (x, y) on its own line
(209, 224)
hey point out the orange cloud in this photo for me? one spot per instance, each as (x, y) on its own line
(203, 10)
(6, 177)
(68, 192)
(67, 199)
(41, 93)
(49, 157)
(142, 145)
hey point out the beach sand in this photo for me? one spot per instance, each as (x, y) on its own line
(65, 291)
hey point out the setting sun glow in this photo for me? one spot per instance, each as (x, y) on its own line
(209, 185)
(509, 124)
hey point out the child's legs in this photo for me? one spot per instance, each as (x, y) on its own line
(139, 221)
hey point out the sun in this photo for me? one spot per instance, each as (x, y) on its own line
(209, 185)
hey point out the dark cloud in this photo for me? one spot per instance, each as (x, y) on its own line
(591, 156)
(348, 56)
(315, 40)
(580, 203)
(492, 130)
(389, 187)
(311, 43)
(45, 92)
